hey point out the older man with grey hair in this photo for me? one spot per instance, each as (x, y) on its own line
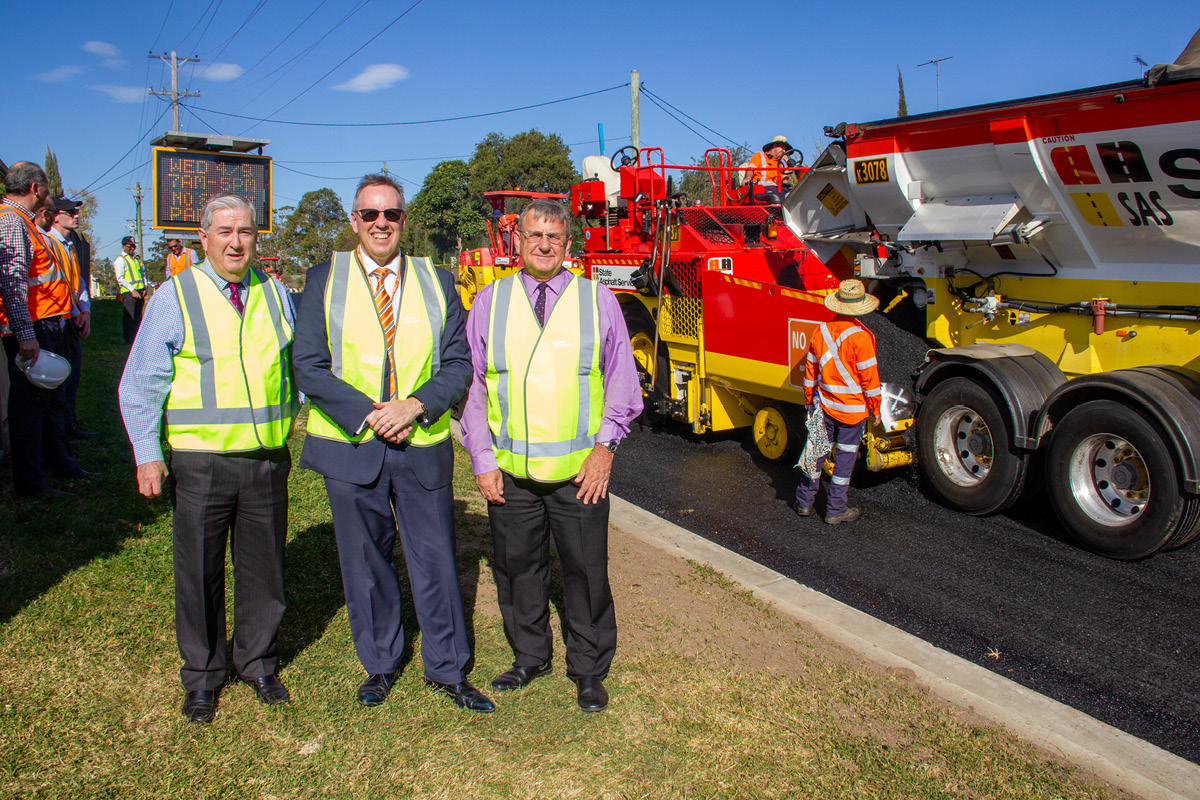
(214, 351)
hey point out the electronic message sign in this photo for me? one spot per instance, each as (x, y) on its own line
(184, 180)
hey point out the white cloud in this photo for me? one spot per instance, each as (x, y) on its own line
(374, 78)
(60, 74)
(221, 72)
(123, 94)
(106, 51)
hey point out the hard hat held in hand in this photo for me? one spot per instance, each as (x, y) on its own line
(48, 371)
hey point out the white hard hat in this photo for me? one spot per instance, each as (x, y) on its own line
(48, 371)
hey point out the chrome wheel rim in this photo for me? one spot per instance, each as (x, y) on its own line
(1109, 479)
(964, 446)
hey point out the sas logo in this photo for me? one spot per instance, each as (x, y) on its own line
(1123, 163)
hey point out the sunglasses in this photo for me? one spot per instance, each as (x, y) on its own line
(372, 214)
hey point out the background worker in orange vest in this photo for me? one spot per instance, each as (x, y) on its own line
(841, 374)
(36, 302)
(763, 168)
(179, 257)
(64, 221)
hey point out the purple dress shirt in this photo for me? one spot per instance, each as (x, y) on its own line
(622, 391)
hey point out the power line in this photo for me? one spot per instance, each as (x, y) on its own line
(290, 34)
(204, 32)
(689, 116)
(225, 44)
(336, 178)
(163, 27)
(203, 14)
(130, 150)
(413, 122)
(664, 109)
(338, 66)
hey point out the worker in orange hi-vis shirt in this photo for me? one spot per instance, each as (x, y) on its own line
(179, 257)
(763, 168)
(842, 376)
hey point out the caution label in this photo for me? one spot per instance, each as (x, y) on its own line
(832, 199)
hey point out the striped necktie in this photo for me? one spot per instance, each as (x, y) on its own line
(383, 305)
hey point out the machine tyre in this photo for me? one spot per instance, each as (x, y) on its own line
(964, 447)
(641, 339)
(778, 431)
(1114, 484)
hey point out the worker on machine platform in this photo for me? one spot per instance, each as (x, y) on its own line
(763, 171)
(841, 381)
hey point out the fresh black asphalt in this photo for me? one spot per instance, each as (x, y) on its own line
(1119, 641)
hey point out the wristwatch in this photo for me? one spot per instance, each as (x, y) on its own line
(612, 445)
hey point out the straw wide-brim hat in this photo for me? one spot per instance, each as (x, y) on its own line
(851, 299)
(776, 140)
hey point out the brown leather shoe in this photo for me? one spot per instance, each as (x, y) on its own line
(849, 515)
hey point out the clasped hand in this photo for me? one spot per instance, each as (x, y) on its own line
(392, 420)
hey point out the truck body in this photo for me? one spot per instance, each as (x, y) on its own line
(1054, 246)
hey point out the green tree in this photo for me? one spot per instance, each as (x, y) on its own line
(697, 183)
(87, 212)
(901, 104)
(52, 176)
(443, 207)
(312, 230)
(102, 274)
(156, 260)
(533, 161)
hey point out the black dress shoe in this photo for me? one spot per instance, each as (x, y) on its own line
(80, 474)
(465, 695)
(269, 690)
(375, 688)
(520, 677)
(76, 432)
(592, 695)
(200, 707)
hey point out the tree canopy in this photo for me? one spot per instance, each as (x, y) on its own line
(533, 161)
(443, 208)
(312, 231)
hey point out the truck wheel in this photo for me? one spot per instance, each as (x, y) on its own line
(1114, 484)
(778, 431)
(641, 339)
(963, 446)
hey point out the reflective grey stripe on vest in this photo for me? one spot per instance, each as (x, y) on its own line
(587, 346)
(210, 413)
(339, 285)
(53, 274)
(501, 299)
(431, 291)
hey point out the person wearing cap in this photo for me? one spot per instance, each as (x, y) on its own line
(179, 257)
(131, 277)
(64, 223)
(215, 351)
(35, 301)
(841, 374)
(763, 168)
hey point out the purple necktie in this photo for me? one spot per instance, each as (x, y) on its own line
(235, 297)
(539, 307)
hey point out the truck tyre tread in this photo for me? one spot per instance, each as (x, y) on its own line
(1005, 480)
(1169, 516)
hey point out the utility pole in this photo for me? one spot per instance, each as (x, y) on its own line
(385, 172)
(937, 72)
(174, 94)
(137, 198)
(635, 86)
(1142, 65)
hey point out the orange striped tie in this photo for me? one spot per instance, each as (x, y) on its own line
(383, 304)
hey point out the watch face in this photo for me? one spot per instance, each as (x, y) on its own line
(612, 446)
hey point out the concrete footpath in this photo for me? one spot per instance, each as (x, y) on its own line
(1111, 755)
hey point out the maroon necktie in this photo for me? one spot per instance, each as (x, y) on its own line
(235, 297)
(539, 306)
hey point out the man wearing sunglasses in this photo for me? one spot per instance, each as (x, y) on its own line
(382, 356)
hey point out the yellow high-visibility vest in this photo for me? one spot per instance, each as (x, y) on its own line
(132, 272)
(358, 348)
(233, 389)
(545, 388)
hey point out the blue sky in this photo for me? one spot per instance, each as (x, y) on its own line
(746, 72)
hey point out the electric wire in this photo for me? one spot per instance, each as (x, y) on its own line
(163, 27)
(196, 48)
(203, 14)
(338, 66)
(411, 122)
(689, 116)
(225, 44)
(127, 152)
(286, 38)
(677, 119)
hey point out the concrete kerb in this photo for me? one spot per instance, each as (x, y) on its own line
(1111, 755)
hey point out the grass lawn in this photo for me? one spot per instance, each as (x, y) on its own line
(713, 694)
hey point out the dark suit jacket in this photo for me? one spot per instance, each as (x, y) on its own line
(83, 251)
(361, 463)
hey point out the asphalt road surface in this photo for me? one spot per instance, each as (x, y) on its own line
(1119, 641)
